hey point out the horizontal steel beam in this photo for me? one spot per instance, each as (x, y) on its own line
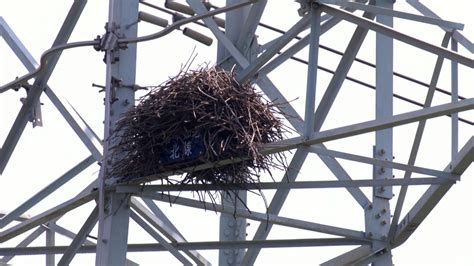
(332, 134)
(283, 185)
(257, 216)
(210, 245)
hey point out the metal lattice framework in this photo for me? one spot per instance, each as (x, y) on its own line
(113, 205)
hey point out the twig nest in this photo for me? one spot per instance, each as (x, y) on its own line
(197, 117)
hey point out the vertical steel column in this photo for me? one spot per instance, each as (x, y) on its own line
(114, 209)
(377, 218)
(230, 227)
(50, 242)
(454, 98)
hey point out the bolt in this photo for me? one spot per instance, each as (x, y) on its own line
(382, 170)
(377, 216)
(382, 151)
(126, 102)
(383, 222)
(384, 210)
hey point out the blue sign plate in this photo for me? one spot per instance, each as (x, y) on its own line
(182, 149)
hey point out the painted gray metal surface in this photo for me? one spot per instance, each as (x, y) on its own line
(374, 244)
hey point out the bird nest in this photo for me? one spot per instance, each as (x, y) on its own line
(199, 117)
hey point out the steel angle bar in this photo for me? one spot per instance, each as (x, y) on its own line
(20, 218)
(159, 238)
(257, 216)
(247, 36)
(83, 131)
(50, 242)
(340, 75)
(295, 48)
(418, 136)
(63, 231)
(200, 9)
(277, 202)
(349, 257)
(249, 71)
(312, 71)
(456, 34)
(39, 84)
(210, 245)
(334, 134)
(167, 231)
(53, 186)
(341, 174)
(292, 185)
(463, 159)
(383, 163)
(432, 196)
(86, 228)
(24, 243)
(369, 126)
(46, 216)
(17, 47)
(396, 14)
(274, 94)
(368, 24)
(454, 98)
(173, 233)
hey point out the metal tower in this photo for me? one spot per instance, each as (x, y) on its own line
(354, 146)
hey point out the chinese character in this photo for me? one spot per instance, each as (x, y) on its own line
(175, 152)
(187, 148)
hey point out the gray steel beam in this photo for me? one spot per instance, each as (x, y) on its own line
(24, 243)
(83, 131)
(461, 39)
(341, 72)
(17, 47)
(341, 174)
(249, 71)
(114, 209)
(349, 258)
(397, 14)
(291, 185)
(63, 231)
(368, 24)
(80, 238)
(272, 92)
(454, 98)
(418, 136)
(40, 83)
(53, 186)
(432, 196)
(369, 126)
(211, 245)
(46, 216)
(277, 202)
(50, 242)
(382, 163)
(166, 230)
(257, 216)
(159, 239)
(377, 218)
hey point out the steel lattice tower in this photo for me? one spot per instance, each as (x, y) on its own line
(380, 197)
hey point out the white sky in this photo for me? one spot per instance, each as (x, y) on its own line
(445, 238)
